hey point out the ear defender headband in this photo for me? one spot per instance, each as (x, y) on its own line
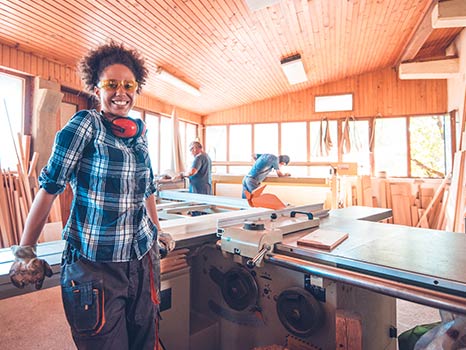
(125, 127)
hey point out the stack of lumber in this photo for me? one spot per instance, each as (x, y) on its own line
(17, 190)
(413, 204)
(356, 191)
(456, 206)
(432, 214)
(175, 260)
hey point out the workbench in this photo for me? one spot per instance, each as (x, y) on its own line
(388, 261)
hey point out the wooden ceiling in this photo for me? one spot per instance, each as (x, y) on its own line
(221, 46)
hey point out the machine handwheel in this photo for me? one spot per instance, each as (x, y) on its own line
(299, 312)
(239, 289)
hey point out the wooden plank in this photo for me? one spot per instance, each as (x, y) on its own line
(11, 206)
(348, 330)
(426, 194)
(455, 199)
(401, 203)
(414, 215)
(461, 197)
(442, 221)
(435, 198)
(5, 224)
(323, 239)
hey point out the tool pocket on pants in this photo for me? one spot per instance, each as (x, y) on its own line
(84, 307)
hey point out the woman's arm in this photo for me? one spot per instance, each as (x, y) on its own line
(37, 217)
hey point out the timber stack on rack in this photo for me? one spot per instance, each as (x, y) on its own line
(413, 203)
(17, 190)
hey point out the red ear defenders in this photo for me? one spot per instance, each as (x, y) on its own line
(125, 127)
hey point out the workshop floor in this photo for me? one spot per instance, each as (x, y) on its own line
(410, 315)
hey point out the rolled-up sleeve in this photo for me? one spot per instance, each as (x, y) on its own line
(67, 150)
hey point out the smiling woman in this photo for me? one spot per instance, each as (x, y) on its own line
(111, 236)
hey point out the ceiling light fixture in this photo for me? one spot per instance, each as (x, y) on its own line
(294, 69)
(167, 77)
(255, 5)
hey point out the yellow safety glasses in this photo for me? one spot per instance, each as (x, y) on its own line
(114, 85)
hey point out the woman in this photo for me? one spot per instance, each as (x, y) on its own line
(110, 271)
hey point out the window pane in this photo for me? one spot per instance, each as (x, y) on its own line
(135, 114)
(152, 125)
(240, 142)
(191, 135)
(427, 146)
(334, 103)
(12, 92)
(294, 141)
(216, 142)
(184, 143)
(266, 138)
(390, 153)
(216, 145)
(166, 140)
(358, 147)
(319, 151)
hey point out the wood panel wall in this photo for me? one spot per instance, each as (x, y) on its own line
(29, 63)
(377, 93)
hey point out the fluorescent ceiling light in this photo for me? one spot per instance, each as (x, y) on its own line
(255, 5)
(167, 77)
(294, 69)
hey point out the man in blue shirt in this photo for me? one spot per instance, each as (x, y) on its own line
(200, 175)
(264, 164)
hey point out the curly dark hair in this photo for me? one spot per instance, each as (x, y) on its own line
(93, 64)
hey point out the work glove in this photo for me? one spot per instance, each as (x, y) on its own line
(166, 243)
(27, 268)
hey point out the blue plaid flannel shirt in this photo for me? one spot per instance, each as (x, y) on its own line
(110, 178)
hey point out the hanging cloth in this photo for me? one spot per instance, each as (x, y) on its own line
(321, 132)
(327, 138)
(356, 140)
(372, 137)
(345, 137)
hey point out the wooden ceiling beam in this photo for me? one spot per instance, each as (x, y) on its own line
(420, 36)
(438, 69)
(449, 14)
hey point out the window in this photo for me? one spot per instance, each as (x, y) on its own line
(294, 144)
(427, 148)
(324, 141)
(216, 145)
(240, 146)
(135, 114)
(391, 156)
(425, 154)
(12, 106)
(333, 103)
(188, 134)
(357, 149)
(324, 146)
(266, 138)
(166, 144)
(152, 125)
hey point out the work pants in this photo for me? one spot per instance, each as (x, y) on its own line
(111, 305)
